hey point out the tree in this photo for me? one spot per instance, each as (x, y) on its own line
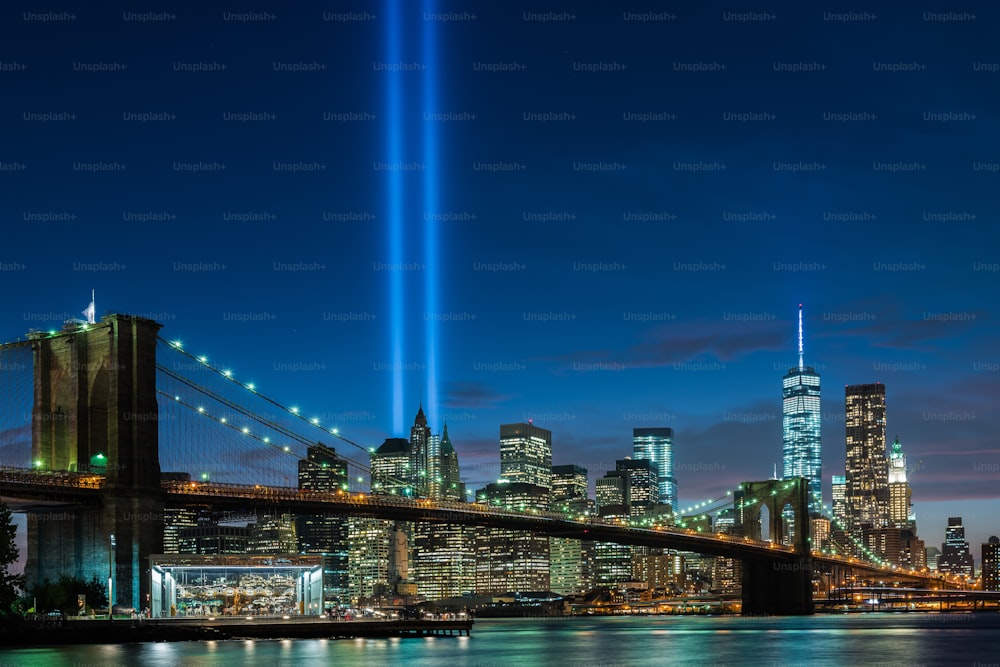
(62, 594)
(10, 584)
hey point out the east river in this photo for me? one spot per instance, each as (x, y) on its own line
(857, 640)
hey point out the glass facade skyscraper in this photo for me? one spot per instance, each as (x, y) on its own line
(657, 445)
(800, 422)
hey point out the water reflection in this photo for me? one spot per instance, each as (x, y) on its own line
(861, 639)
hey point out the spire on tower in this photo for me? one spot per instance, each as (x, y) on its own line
(446, 446)
(420, 419)
(801, 364)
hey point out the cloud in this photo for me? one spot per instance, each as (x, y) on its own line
(685, 342)
(883, 323)
(472, 395)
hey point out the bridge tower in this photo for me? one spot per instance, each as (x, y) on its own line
(776, 587)
(95, 410)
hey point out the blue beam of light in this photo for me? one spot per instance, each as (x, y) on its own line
(431, 201)
(394, 130)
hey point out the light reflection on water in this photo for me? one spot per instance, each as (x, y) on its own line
(856, 640)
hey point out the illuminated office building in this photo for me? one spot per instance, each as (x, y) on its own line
(657, 445)
(991, 564)
(323, 470)
(526, 454)
(900, 515)
(424, 457)
(955, 556)
(800, 422)
(867, 478)
(510, 561)
(570, 560)
(390, 468)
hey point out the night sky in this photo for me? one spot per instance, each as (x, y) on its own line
(597, 218)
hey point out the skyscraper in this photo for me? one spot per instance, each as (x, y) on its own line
(899, 489)
(612, 562)
(323, 470)
(526, 454)
(452, 487)
(838, 490)
(570, 560)
(641, 487)
(955, 557)
(368, 557)
(657, 445)
(444, 559)
(369, 545)
(176, 519)
(800, 422)
(838, 541)
(991, 564)
(867, 491)
(512, 560)
(273, 535)
(423, 463)
(630, 490)
(569, 484)
(443, 554)
(390, 468)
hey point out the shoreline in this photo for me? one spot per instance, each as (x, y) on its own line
(42, 633)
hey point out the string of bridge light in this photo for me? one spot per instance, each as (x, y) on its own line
(874, 557)
(234, 406)
(836, 522)
(245, 430)
(707, 503)
(653, 520)
(252, 389)
(223, 421)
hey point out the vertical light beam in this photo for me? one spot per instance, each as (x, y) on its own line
(394, 131)
(430, 187)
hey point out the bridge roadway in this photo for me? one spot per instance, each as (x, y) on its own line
(22, 488)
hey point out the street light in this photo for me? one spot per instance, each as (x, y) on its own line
(111, 575)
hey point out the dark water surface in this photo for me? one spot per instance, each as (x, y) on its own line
(859, 639)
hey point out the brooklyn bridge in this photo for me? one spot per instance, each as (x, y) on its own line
(92, 451)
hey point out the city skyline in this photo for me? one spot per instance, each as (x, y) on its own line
(503, 218)
(927, 527)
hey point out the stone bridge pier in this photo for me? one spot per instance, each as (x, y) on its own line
(95, 410)
(782, 585)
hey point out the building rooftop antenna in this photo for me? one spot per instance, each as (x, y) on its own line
(801, 364)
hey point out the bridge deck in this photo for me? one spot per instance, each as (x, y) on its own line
(28, 484)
